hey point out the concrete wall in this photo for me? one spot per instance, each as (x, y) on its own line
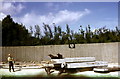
(0, 54)
(102, 51)
(119, 53)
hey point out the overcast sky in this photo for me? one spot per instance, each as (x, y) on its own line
(95, 14)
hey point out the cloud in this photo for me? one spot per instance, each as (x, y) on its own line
(2, 15)
(63, 16)
(11, 8)
(69, 16)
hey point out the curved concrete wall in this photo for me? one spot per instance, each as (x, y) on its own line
(101, 51)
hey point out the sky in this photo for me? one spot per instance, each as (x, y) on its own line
(95, 14)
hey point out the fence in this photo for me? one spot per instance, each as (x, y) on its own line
(101, 51)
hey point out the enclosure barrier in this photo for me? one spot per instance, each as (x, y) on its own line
(101, 51)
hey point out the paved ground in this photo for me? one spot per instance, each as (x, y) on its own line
(37, 71)
(23, 72)
(42, 73)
